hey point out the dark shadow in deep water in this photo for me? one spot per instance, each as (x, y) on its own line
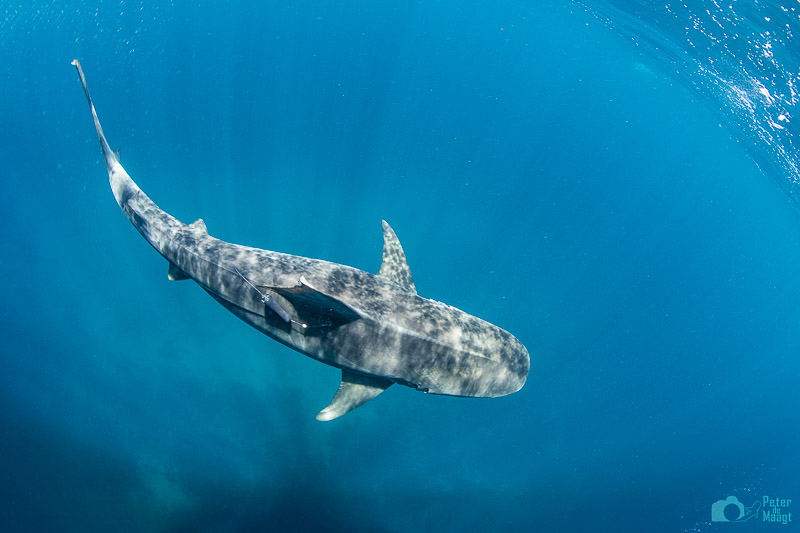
(53, 483)
(305, 495)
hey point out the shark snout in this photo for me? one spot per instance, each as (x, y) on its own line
(517, 366)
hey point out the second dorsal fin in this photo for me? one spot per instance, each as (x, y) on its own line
(395, 265)
(199, 225)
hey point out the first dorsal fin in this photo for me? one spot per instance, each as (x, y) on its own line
(354, 391)
(395, 265)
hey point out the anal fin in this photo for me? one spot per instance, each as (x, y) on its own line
(354, 391)
(175, 273)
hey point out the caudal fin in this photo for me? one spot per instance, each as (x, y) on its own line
(110, 156)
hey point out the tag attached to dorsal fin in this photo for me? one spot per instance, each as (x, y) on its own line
(199, 225)
(354, 391)
(117, 153)
(175, 273)
(314, 311)
(395, 265)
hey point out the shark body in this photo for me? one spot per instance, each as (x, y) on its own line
(375, 328)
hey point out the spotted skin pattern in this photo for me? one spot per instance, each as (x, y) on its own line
(373, 326)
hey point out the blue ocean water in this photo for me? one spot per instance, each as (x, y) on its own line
(578, 174)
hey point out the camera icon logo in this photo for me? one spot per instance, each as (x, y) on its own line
(732, 510)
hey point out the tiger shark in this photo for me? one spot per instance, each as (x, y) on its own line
(375, 328)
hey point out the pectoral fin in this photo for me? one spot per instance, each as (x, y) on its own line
(313, 310)
(354, 391)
